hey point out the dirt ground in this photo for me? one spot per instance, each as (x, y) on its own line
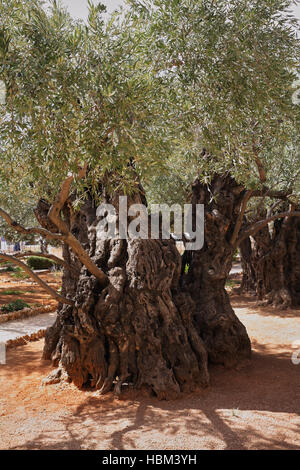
(253, 408)
(29, 291)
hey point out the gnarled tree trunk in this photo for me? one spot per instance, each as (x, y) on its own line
(150, 326)
(273, 261)
(224, 336)
(138, 329)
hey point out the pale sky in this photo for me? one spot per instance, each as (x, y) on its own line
(78, 8)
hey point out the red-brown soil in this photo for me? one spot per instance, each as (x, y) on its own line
(253, 408)
(32, 293)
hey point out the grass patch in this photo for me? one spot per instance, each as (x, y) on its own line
(14, 306)
(8, 269)
(16, 292)
(11, 292)
(19, 273)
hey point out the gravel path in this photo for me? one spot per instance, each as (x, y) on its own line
(236, 269)
(257, 407)
(18, 328)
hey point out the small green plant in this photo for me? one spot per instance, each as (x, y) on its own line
(4, 264)
(9, 269)
(232, 282)
(14, 306)
(186, 268)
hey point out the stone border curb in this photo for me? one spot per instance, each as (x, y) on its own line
(12, 343)
(26, 313)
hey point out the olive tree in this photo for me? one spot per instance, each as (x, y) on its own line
(97, 111)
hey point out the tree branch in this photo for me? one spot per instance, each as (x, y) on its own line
(240, 217)
(256, 227)
(273, 207)
(267, 192)
(37, 279)
(65, 236)
(54, 216)
(261, 170)
(259, 164)
(30, 231)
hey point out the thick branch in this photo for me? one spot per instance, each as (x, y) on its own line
(85, 259)
(66, 236)
(261, 170)
(256, 227)
(268, 192)
(37, 279)
(273, 207)
(54, 216)
(240, 217)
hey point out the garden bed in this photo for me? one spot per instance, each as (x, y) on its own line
(14, 289)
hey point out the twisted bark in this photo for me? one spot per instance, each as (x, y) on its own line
(271, 264)
(137, 330)
(224, 336)
(142, 321)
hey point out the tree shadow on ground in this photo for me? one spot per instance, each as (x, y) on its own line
(256, 407)
(231, 414)
(23, 363)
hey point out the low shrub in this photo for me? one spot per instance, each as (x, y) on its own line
(14, 306)
(9, 269)
(6, 267)
(38, 262)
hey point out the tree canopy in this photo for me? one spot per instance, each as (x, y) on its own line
(232, 65)
(77, 95)
(154, 86)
